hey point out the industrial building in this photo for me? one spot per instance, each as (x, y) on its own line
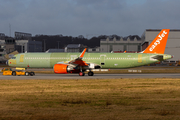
(29, 46)
(94, 50)
(129, 44)
(74, 48)
(22, 43)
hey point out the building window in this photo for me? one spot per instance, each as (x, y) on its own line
(93, 49)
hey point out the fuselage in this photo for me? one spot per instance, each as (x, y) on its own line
(105, 60)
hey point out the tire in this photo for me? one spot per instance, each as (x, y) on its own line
(26, 74)
(14, 73)
(31, 73)
(90, 73)
(81, 74)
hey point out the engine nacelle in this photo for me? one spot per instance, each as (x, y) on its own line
(61, 69)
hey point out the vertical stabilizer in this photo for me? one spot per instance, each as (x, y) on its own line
(158, 45)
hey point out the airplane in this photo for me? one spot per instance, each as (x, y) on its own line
(64, 63)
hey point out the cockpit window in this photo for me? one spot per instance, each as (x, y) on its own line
(13, 58)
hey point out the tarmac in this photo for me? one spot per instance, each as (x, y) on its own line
(40, 76)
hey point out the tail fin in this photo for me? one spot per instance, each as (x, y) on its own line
(10, 55)
(158, 45)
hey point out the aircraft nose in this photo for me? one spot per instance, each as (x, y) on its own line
(7, 62)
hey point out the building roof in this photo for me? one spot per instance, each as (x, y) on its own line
(73, 45)
(160, 30)
(130, 37)
(55, 50)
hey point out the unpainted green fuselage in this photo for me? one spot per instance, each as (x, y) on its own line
(105, 60)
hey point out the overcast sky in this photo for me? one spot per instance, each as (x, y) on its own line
(88, 17)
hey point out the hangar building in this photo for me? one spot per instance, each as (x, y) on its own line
(129, 44)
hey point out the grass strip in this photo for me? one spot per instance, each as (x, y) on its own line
(90, 99)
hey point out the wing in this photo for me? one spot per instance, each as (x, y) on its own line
(78, 61)
(74, 66)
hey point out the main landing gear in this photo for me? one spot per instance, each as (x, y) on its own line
(89, 73)
(81, 73)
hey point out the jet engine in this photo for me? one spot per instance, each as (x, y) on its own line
(62, 68)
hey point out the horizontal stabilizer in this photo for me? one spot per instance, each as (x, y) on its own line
(158, 57)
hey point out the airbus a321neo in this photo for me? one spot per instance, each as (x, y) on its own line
(64, 63)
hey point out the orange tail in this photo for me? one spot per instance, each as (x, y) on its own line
(158, 45)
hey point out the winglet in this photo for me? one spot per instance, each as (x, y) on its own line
(158, 45)
(82, 54)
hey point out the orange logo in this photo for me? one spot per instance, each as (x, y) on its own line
(158, 41)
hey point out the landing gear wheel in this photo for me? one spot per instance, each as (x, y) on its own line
(90, 73)
(26, 73)
(31, 73)
(14, 73)
(81, 74)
